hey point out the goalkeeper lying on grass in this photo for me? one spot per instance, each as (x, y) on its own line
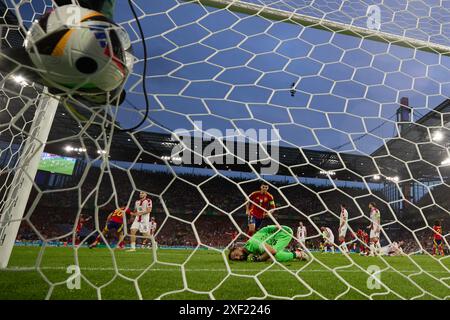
(271, 239)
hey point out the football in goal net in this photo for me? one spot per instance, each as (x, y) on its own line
(224, 149)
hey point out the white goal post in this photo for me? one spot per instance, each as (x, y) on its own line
(325, 24)
(25, 172)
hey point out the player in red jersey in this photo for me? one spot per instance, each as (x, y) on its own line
(81, 221)
(351, 245)
(114, 221)
(363, 238)
(260, 205)
(366, 239)
(438, 242)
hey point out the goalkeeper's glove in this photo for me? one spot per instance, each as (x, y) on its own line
(252, 258)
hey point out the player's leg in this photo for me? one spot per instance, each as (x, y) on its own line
(286, 256)
(151, 239)
(372, 241)
(362, 247)
(342, 244)
(282, 238)
(441, 247)
(120, 237)
(136, 225)
(147, 239)
(329, 243)
(77, 239)
(372, 247)
(144, 229)
(302, 244)
(251, 225)
(99, 237)
(377, 246)
(133, 232)
(377, 243)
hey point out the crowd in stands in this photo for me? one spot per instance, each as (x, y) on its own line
(195, 208)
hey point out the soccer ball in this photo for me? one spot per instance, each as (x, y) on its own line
(78, 51)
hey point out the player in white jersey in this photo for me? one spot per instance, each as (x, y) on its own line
(343, 226)
(141, 223)
(328, 238)
(393, 249)
(153, 226)
(301, 235)
(375, 229)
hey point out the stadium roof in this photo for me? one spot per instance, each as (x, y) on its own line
(421, 153)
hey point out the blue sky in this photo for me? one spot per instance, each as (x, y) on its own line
(230, 70)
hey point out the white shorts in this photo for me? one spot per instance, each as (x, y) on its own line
(143, 226)
(329, 240)
(374, 234)
(343, 232)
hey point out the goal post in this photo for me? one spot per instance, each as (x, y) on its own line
(275, 14)
(25, 172)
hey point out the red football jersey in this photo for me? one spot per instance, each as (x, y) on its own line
(366, 237)
(80, 224)
(360, 234)
(264, 203)
(437, 232)
(117, 215)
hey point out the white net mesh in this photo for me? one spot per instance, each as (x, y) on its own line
(327, 102)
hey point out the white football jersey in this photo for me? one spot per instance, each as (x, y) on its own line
(344, 217)
(301, 232)
(328, 234)
(375, 217)
(142, 206)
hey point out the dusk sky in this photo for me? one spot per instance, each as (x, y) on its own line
(231, 70)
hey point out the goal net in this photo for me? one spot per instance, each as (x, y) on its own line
(328, 103)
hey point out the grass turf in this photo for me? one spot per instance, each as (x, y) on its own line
(204, 274)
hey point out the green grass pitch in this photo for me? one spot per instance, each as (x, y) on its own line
(203, 274)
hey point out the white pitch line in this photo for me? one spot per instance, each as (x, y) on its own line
(19, 269)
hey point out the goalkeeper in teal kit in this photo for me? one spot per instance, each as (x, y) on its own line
(269, 241)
